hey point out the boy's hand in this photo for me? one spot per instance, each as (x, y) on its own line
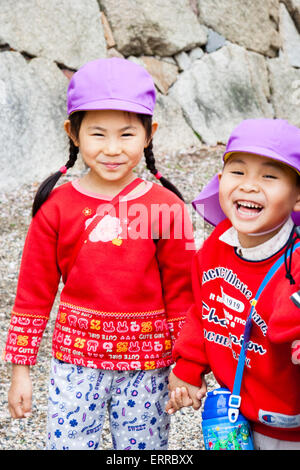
(184, 394)
(20, 392)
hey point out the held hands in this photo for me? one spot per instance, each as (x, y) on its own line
(184, 394)
(20, 392)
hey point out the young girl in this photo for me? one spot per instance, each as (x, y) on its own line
(255, 204)
(123, 248)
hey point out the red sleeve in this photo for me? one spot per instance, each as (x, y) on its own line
(189, 350)
(37, 286)
(175, 251)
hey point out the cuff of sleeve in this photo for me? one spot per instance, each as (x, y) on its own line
(21, 359)
(189, 372)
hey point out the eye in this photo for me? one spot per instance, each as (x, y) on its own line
(273, 177)
(237, 172)
(127, 134)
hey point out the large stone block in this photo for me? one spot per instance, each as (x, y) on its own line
(153, 27)
(174, 135)
(285, 86)
(222, 89)
(290, 37)
(293, 7)
(32, 113)
(249, 23)
(68, 32)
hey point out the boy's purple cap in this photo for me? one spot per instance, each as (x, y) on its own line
(273, 138)
(111, 84)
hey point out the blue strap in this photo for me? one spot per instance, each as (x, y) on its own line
(235, 399)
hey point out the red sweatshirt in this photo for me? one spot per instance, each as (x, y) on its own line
(125, 298)
(211, 337)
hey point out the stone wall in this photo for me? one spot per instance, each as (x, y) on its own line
(214, 63)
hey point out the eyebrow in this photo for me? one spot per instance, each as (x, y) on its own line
(234, 161)
(99, 128)
(273, 164)
(270, 163)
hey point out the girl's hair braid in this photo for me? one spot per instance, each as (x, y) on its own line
(46, 187)
(146, 120)
(150, 162)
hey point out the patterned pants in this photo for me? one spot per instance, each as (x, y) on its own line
(79, 396)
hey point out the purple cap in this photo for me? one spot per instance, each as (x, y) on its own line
(111, 84)
(273, 138)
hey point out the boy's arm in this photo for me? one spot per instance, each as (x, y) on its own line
(189, 351)
(284, 322)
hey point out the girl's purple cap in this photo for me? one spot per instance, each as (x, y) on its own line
(272, 138)
(111, 84)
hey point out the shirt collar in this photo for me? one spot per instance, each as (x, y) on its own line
(262, 251)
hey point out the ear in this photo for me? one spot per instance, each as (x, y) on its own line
(219, 175)
(153, 130)
(296, 207)
(67, 127)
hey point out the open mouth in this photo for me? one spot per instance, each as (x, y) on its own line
(248, 208)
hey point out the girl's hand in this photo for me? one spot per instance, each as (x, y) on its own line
(184, 394)
(20, 392)
(178, 399)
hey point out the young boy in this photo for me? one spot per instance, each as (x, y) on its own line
(257, 196)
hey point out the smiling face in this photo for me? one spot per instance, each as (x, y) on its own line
(111, 144)
(257, 195)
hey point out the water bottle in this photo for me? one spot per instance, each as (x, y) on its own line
(219, 432)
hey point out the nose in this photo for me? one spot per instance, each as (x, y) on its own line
(112, 147)
(249, 185)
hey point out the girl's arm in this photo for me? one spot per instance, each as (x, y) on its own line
(20, 392)
(37, 286)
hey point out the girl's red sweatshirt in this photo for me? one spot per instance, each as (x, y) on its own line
(125, 298)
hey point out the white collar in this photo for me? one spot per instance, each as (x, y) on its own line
(262, 251)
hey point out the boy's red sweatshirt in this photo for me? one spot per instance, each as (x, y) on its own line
(211, 337)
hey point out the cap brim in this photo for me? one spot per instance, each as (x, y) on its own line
(207, 203)
(208, 206)
(118, 105)
(261, 151)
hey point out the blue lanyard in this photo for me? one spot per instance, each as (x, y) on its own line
(235, 398)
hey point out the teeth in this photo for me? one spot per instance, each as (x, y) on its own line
(250, 205)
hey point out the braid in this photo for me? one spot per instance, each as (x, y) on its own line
(150, 162)
(73, 153)
(49, 183)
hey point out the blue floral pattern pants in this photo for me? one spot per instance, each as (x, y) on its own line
(79, 397)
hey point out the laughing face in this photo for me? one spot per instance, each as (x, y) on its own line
(257, 194)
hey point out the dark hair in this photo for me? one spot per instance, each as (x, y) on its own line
(76, 118)
(146, 120)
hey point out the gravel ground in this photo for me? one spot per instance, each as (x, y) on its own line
(189, 173)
